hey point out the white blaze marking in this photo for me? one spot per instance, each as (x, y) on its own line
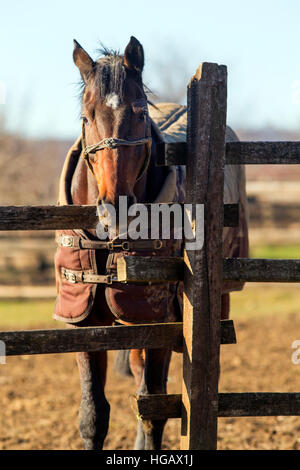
(112, 100)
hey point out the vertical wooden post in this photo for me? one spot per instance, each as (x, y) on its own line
(207, 97)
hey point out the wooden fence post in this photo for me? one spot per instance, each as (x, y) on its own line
(207, 97)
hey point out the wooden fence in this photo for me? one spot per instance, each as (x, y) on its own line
(201, 333)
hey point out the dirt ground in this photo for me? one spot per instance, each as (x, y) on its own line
(40, 395)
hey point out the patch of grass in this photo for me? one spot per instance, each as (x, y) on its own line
(255, 300)
(27, 314)
(262, 299)
(275, 251)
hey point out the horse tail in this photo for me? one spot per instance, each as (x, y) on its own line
(121, 364)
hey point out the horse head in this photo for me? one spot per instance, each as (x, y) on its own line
(116, 131)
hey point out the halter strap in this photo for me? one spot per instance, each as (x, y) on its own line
(113, 143)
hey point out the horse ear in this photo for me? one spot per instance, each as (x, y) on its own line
(134, 55)
(83, 61)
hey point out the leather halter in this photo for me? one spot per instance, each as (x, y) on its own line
(113, 143)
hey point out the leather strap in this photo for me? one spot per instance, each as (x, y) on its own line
(86, 276)
(114, 143)
(71, 241)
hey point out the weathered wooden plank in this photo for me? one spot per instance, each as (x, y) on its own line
(171, 154)
(47, 217)
(143, 269)
(239, 153)
(259, 404)
(153, 406)
(206, 111)
(163, 335)
(261, 270)
(227, 333)
(229, 405)
(71, 217)
(160, 335)
(231, 215)
(248, 153)
(149, 268)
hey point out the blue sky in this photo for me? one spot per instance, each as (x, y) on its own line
(258, 41)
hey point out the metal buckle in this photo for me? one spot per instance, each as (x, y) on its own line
(70, 277)
(125, 245)
(157, 244)
(109, 279)
(67, 240)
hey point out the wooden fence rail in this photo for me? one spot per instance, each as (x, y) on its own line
(72, 217)
(102, 338)
(142, 269)
(229, 405)
(238, 153)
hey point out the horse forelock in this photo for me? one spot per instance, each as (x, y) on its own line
(110, 77)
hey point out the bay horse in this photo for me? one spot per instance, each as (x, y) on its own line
(118, 146)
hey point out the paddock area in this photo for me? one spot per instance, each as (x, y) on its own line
(44, 416)
(267, 332)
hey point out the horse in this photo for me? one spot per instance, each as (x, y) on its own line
(118, 146)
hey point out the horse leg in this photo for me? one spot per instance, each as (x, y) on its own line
(137, 366)
(153, 380)
(94, 408)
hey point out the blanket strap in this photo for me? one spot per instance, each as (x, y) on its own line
(87, 276)
(70, 241)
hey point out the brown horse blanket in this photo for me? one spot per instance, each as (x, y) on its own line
(135, 303)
